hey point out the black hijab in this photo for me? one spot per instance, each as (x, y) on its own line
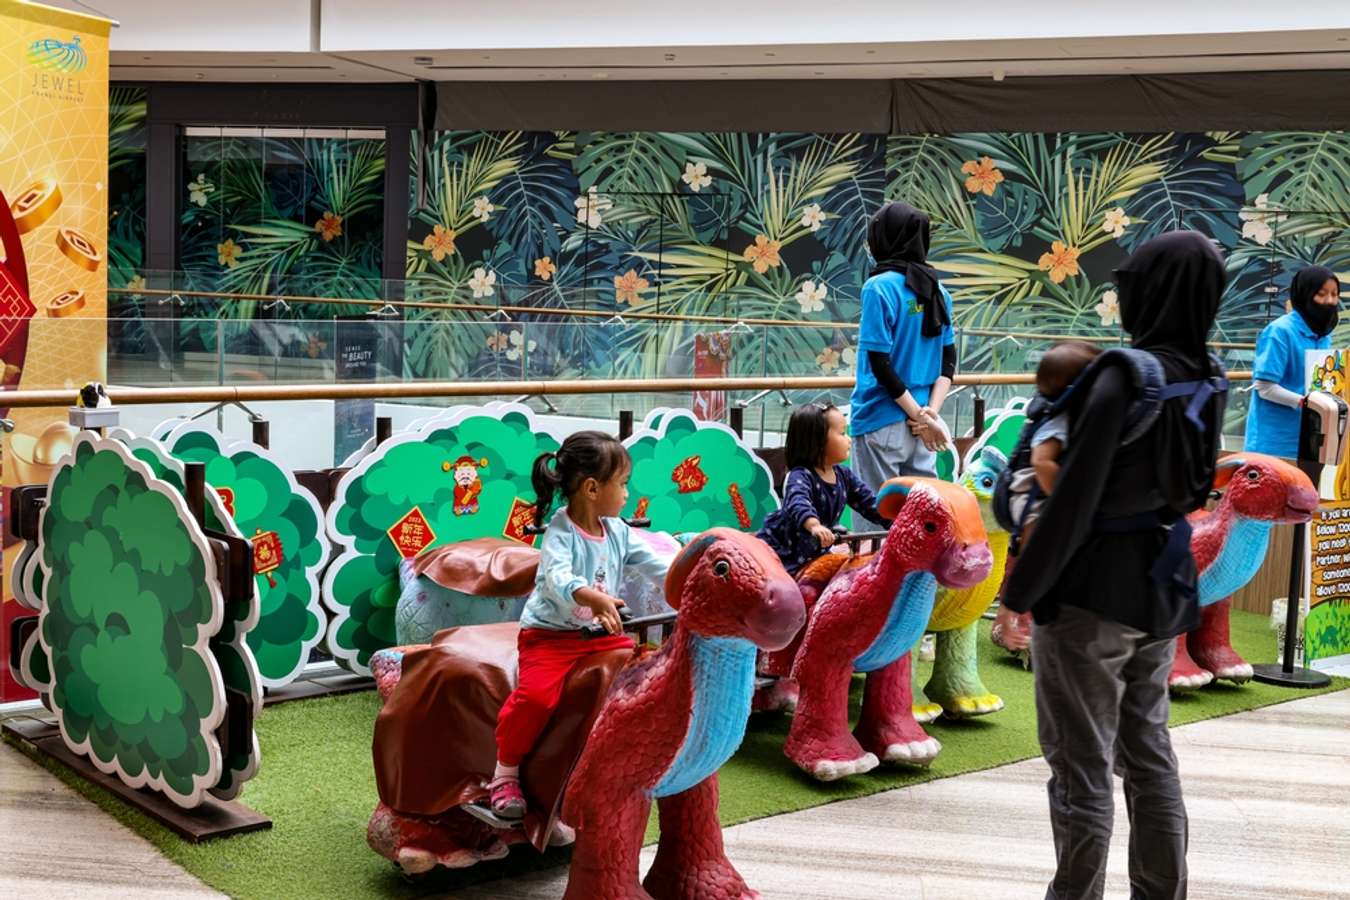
(898, 239)
(1307, 282)
(1169, 295)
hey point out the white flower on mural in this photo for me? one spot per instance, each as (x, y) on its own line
(811, 297)
(813, 217)
(848, 359)
(482, 208)
(696, 176)
(1109, 309)
(1115, 222)
(828, 360)
(497, 342)
(518, 343)
(482, 282)
(200, 189)
(590, 208)
(1256, 220)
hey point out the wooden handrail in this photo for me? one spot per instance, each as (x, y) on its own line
(252, 393)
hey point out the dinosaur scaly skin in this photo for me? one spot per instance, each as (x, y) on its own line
(869, 618)
(670, 721)
(1229, 544)
(955, 687)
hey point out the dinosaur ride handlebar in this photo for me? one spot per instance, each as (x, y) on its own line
(534, 529)
(630, 623)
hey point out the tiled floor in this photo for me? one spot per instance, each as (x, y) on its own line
(1268, 793)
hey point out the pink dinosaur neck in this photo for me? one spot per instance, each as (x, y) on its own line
(892, 563)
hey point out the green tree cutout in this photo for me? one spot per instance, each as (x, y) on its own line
(267, 498)
(229, 646)
(417, 470)
(724, 482)
(131, 599)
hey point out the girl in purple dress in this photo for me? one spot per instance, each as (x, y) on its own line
(817, 488)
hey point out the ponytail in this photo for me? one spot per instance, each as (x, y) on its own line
(546, 481)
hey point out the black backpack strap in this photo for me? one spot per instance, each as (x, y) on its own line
(1199, 392)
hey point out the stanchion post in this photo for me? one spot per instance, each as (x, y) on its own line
(625, 424)
(384, 429)
(1286, 673)
(978, 406)
(262, 433)
(737, 417)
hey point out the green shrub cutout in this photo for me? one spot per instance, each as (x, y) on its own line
(417, 469)
(730, 486)
(131, 602)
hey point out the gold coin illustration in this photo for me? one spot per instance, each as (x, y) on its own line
(78, 249)
(66, 304)
(36, 204)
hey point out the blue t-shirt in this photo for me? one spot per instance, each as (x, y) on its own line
(1280, 358)
(892, 323)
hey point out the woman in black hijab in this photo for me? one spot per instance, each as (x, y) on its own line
(1279, 372)
(907, 353)
(1105, 619)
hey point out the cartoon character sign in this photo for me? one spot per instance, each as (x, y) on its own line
(468, 485)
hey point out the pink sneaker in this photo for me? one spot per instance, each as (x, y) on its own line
(506, 798)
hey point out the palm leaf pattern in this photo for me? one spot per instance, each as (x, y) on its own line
(684, 214)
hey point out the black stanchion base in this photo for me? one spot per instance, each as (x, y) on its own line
(1274, 673)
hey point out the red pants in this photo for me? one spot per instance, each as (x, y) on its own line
(545, 658)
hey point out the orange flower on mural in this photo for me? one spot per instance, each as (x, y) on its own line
(441, 242)
(1060, 262)
(544, 268)
(228, 253)
(628, 287)
(330, 226)
(763, 253)
(983, 176)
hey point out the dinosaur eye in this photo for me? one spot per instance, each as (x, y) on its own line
(1253, 475)
(930, 527)
(722, 568)
(988, 482)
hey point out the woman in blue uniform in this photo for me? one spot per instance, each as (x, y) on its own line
(1281, 353)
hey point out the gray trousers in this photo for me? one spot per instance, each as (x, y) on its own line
(887, 453)
(1101, 705)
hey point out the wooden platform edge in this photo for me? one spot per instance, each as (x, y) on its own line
(323, 686)
(211, 820)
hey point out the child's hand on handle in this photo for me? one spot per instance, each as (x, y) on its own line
(822, 534)
(605, 607)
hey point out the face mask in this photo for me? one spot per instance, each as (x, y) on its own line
(1321, 319)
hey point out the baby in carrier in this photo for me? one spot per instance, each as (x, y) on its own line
(1032, 484)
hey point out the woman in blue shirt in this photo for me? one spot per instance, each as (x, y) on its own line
(907, 353)
(1281, 352)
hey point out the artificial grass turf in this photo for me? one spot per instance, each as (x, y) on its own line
(317, 784)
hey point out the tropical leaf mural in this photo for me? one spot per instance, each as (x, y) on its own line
(1027, 228)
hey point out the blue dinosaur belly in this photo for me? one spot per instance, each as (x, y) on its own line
(905, 623)
(724, 680)
(1238, 561)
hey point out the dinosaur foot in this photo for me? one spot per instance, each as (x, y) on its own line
(781, 696)
(710, 880)
(926, 712)
(914, 753)
(1223, 662)
(563, 835)
(419, 844)
(834, 769)
(965, 706)
(1184, 683)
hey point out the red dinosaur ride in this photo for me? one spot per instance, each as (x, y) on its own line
(870, 614)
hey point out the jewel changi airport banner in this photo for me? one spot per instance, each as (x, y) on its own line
(54, 224)
(1326, 631)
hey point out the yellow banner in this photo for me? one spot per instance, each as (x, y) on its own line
(54, 225)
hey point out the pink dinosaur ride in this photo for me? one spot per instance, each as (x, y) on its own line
(671, 721)
(870, 614)
(1229, 544)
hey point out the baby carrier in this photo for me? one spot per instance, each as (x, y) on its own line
(1151, 391)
